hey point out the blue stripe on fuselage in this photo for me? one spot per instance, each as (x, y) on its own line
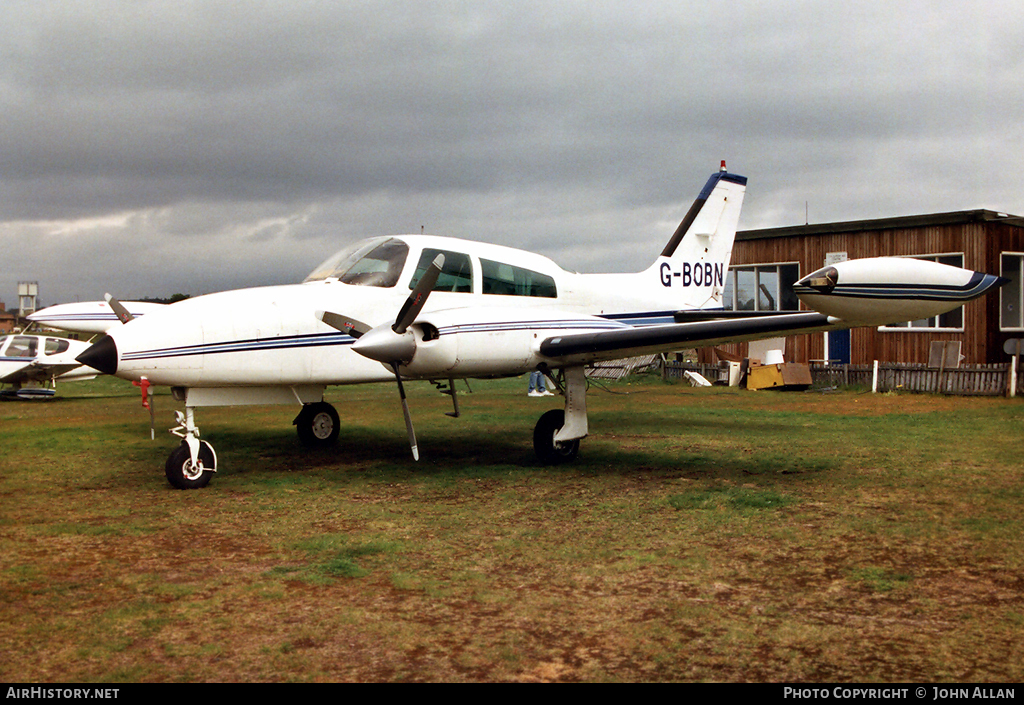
(611, 322)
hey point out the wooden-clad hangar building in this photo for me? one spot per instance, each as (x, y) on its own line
(766, 263)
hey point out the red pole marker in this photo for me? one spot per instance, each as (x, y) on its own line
(144, 386)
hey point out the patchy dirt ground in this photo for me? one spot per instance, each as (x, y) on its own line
(874, 569)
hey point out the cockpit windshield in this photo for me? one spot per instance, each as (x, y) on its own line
(376, 262)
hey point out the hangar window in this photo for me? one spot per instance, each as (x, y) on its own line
(1011, 295)
(456, 273)
(506, 280)
(763, 287)
(953, 320)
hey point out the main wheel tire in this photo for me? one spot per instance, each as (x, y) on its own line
(318, 425)
(181, 472)
(550, 452)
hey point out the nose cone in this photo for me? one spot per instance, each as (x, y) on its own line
(101, 356)
(384, 345)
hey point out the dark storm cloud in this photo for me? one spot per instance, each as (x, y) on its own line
(215, 144)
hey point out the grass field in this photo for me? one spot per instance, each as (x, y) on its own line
(703, 535)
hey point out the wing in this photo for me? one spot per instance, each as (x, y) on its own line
(867, 292)
(37, 372)
(582, 348)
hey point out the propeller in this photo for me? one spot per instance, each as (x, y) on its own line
(414, 304)
(118, 308)
(343, 323)
(392, 344)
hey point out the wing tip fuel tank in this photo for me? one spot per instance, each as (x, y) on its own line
(882, 290)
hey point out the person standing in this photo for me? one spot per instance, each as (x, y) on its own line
(537, 385)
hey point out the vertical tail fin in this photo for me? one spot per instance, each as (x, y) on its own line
(695, 260)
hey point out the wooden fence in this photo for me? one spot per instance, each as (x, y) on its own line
(966, 380)
(671, 369)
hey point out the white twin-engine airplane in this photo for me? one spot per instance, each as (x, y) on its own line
(32, 364)
(432, 308)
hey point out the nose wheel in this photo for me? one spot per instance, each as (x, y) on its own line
(192, 464)
(184, 473)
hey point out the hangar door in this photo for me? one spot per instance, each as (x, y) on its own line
(839, 347)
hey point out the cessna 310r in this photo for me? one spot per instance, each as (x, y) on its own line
(430, 308)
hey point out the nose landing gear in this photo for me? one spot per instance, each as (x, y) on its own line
(184, 473)
(192, 464)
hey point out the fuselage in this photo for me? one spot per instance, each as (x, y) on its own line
(503, 301)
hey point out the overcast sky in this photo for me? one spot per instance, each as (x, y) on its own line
(150, 148)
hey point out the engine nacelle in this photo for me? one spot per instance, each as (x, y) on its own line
(883, 290)
(490, 341)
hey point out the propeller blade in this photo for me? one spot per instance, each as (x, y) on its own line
(118, 308)
(405, 412)
(414, 304)
(392, 347)
(343, 323)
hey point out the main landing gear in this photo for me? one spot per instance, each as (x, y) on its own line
(548, 450)
(318, 425)
(556, 437)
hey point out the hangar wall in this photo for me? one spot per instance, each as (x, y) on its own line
(971, 239)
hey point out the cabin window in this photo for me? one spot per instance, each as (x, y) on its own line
(55, 345)
(1011, 303)
(456, 273)
(506, 280)
(953, 320)
(763, 287)
(376, 262)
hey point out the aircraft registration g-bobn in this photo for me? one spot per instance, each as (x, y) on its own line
(432, 308)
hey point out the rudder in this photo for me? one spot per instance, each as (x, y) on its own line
(697, 256)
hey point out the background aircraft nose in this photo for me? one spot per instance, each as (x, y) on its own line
(101, 356)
